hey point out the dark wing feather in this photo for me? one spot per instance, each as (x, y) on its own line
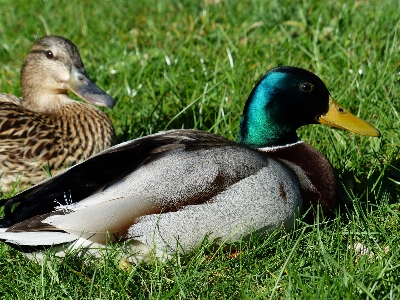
(35, 224)
(101, 171)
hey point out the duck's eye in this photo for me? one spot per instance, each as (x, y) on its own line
(49, 54)
(306, 87)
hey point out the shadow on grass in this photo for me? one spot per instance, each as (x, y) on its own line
(368, 189)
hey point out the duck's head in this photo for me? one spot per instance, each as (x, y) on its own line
(287, 98)
(53, 67)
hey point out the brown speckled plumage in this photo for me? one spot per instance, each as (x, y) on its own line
(47, 129)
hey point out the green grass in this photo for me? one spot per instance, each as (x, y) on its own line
(190, 64)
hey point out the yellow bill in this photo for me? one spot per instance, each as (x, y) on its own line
(339, 117)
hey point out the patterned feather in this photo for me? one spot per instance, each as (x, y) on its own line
(45, 128)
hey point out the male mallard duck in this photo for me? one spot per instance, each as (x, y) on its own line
(47, 128)
(173, 188)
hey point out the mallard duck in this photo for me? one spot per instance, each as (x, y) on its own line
(46, 128)
(171, 189)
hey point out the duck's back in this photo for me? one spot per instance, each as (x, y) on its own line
(176, 186)
(31, 142)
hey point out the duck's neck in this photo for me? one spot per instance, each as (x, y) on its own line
(43, 97)
(45, 102)
(266, 135)
(265, 123)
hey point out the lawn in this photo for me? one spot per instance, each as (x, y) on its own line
(192, 64)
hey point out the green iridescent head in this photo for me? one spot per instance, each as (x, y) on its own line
(287, 98)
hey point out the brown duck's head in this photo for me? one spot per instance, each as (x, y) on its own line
(53, 67)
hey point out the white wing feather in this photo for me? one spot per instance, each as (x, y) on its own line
(111, 216)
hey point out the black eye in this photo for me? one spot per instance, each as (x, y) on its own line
(49, 54)
(306, 87)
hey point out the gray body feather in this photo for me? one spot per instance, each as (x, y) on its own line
(260, 202)
(182, 191)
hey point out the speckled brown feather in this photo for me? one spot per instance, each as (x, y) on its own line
(29, 140)
(47, 129)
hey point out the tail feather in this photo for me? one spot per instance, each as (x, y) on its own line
(4, 224)
(36, 238)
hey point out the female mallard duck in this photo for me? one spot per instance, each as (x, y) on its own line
(171, 189)
(46, 128)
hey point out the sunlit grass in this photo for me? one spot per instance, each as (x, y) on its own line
(192, 64)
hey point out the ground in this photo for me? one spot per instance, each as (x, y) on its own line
(192, 64)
